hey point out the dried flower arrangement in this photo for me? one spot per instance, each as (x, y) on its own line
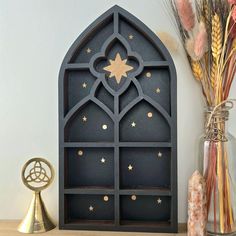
(208, 32)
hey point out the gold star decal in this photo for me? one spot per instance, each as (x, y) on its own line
(85, 119)
(158, 90)
(103, 160)
(159, 201)
(133, 124)
(91, 208)
(84, 85)
(118, 68)
(88, 50)
(159, 154)
(130, 167)
(131, 36)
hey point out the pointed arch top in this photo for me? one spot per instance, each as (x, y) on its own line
(113, 15)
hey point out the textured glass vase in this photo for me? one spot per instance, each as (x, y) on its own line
(217, 163)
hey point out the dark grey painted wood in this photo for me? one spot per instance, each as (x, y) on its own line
(70, 64)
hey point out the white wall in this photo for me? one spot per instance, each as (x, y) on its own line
(34, 37)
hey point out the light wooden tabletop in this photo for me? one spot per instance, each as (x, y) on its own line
(9, 228)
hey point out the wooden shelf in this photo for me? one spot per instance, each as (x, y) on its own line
(89, 190)
(9, 227)
(121, 144)
(147, 191)
(118, 128)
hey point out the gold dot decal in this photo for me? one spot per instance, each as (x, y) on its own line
(80, 153)
(148, 74)
(149, 114)
(158, 90)
(104, 126)
(133, 197)
(106, 198)
(88, 50)
(159, 154)
(130, 167)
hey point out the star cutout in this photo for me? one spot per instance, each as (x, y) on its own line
(103, 160)
(130, 167)
(133, 124)
(84, 119)
(158, 90)
(159, 201)
(88, 50)
(118, 68)
(159, 154)
(91, 208)
(84, 85)
(131, 36)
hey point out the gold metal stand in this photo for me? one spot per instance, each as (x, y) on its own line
(37, 219)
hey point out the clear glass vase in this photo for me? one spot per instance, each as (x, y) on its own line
(217, 163)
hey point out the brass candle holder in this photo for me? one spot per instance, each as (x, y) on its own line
(37, 174)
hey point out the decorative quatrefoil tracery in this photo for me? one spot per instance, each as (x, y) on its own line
(116, 64)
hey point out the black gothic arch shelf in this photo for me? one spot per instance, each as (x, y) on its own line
(118, 129)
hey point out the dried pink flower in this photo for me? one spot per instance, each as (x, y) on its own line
(186, 14)
(200, 44)
(232, 28)
(232, 2)
(234, 14)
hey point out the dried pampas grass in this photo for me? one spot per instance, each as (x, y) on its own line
(169, 41)
(186, 14)
(201, 43)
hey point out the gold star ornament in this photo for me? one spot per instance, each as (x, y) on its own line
(159, 201)
(130, 167)
(118, 68)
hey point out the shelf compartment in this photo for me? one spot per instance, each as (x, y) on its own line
(89, 209)
(156, 174)
(136, 126)
(80, 164)
(81, 120)
(145, 209)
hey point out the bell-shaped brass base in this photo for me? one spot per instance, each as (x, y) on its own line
(37, 219)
